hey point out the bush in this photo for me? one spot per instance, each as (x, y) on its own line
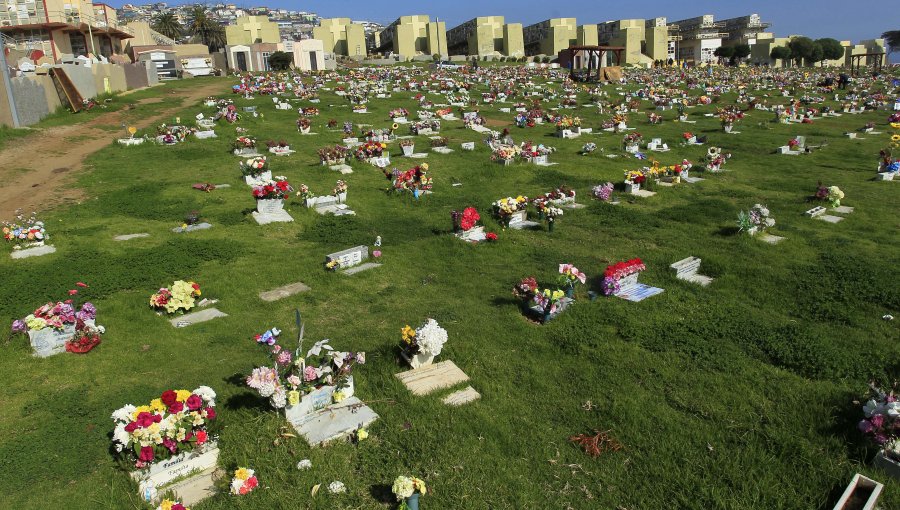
(436, 57)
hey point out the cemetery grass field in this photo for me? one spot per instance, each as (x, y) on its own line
(740, 395)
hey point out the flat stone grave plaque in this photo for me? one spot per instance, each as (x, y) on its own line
(343, 169)
(428, 379)
(335, 422)
(191, 228)
(842, 209)
(196, 488)
(335, 209)
(442, 150)
(360, 268)
(686, 269)
(350, 257)
(769, 238)
(519, 221)
(283, 292)
(128, 237)
(464, 396)
(37, 251)
(473, 235)
(281, 216)
(643, 193)
(638, 292)
(197, 317)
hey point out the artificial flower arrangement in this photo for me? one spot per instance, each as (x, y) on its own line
(551, 213)
(755, 220)
(381, 135)
(348, 128)
(25, 232)
(243, 143)
(244, 481)
(420, 346)
(370, 150)
(603, 192)
(335, 155)
(439, 141)
(530, 151)
(570, 123)
(465, 220)
(407, 489)
(832, 194)
(303, 125)
(169, 504)
(654, 118)
(228, 112)
(505, 208)
(293, 376)
(443, 112)
(588, 148)
(415, 180)
(276, 189)
(398, 113)
(180, 298)
(621, 274)
(80, 334)
(172, 134)
(340, 188)
(882, 421)
(272, 144)
(559, 196)
(632, 140)
(176, 422)
(360, 107)
(425, 125)
(568, 276)
(715, 158)
(254, 167)
(504, 154)
(309, 111)
(332, 124)
(728, 118)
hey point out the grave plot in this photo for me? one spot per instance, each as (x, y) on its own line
(686, 269)
(350, 261)
(755, 222)
(270, 198)
(819, 213)
(465, 225)
(28, 235)
(180, 299)
(621, 280)
(283, 292)
(57, 327)
(328, 204)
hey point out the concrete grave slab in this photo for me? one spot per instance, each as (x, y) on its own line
(464, 396)
(37, 251)
(197, 317)
(771, 239)
(192, 228)
(428, 379)
(196, 488)
(362, 267)
(128, 237)
(283, 292)
(335, 422)
(281, 216)
(842, 209)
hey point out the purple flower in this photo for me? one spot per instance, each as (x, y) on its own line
(19, 326)
(89, 310)
(66, 312)
(877, 421)
(865, 427)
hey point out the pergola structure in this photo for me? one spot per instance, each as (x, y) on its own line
(856, 62)
(585, 57)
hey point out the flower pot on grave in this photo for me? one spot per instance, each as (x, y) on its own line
(889, 465)
(270, 206)
(539, 160)
(550, 224)
(570, 291)
(682, 118)
(728, 128)
(753, 230)
(412, 502)
(252, 180)
(49, 341)
(305, 130)
(408, 150)
(632, 187)
(621, 126)
(420, 359)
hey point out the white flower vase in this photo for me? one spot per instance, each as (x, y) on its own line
(305, 130)
(408, 150)
(421, 359)
(632, 187)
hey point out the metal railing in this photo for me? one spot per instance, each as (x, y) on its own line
(68, 17)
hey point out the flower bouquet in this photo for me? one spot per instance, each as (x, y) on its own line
(425, 127)
(620, 275)
(535, 153)
(504, 154)
(244, 146)
(408, 147)
(567, 123)
(370, 150)
(631, 142)
(304, 125)
(57, 327)
(167, 438)
(715, 158)
(603, 192)
(309, 111)
(568, 276)
(588, 148)
(301, 384)
(547, 304)
(420, 346)
(180, 298)
(399, 114)
(882, 425)
(407, 490)
(255, 170)
(25, 233)
(270, 195)
(551, 213)
(464, 224)
(169, 504)
(439, 141)
(415, 180)
(755, 221)
(244, 481)
(654, 118)
(336, 155)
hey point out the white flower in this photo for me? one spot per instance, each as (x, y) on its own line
(871, 408)
(121, 437)
(236, 485)
(316, 349)
(431, 337)
(336, 487)
(893, 409)
(304, 464)
(124, 414)
(279, 398)
(266, 389)
(403, 487)
(207, 394)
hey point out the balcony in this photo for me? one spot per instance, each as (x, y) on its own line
(61, 19)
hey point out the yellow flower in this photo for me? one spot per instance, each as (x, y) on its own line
(182, 395)
(361, 434)
(166, 504)
(895, 138)
(384, 146)
(293, 397)
(338, 396)
(157, 405)
(241, 474)
(895, 125)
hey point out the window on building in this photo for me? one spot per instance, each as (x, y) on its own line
(79, 46)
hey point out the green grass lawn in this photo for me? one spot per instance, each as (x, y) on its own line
(735, 396)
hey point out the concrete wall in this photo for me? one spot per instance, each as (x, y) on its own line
(30, 95)
(513, 42)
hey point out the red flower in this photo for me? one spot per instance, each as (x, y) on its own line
(177, 407)
(210, 413)
(178, 506)
(131, 427)
(146, 454)
(169, 397)
(194, 402)
(80, 284)
(490, 236)
(201, 437)
(73, 292)
(469, 217)
(144, 420)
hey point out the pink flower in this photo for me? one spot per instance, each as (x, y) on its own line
(877, 421)
(865, 427)
(73, 292)
(376, 253)
(309, 374)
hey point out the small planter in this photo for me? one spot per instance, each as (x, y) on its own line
(418, 360)
(194, 465)
(305, 130)
(270, 206)
(621, 126)
(889, 465)
(412, 502)
(861, 494)
(400, 120)
(728, 128)
(408, 150)
(262, 177)
(539, 160)
(632, 187)
(632, 149)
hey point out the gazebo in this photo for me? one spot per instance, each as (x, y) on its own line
(589, 58)
(856, 64)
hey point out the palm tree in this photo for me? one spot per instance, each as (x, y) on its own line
(205, 28)
(167, 24)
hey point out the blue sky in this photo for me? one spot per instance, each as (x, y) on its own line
(822, 18)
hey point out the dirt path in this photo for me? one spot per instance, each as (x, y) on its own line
(37, 170)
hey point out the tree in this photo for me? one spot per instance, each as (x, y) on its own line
(780, 53)
(741, 51)
(801, 48)
(205, 28)
(167, 24)
(892, 39)
(724, 51)
(280, 61)
(817, 54)
(831, 48)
